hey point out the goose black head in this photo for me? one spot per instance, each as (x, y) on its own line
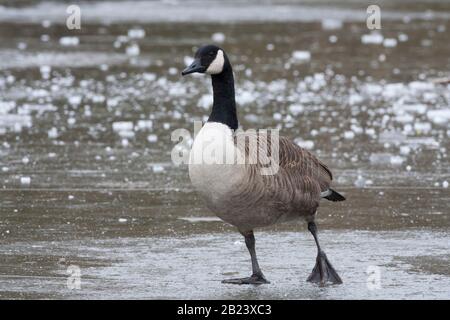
(208, 59)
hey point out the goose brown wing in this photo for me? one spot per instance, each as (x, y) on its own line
(303, 164)
(299, 170)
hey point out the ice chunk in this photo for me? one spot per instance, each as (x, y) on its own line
(427, 141)
(6, 106)
(392, 90)
(71, 121)
(397, 160)
(355, 98)
(122, 126)
(404, 118)
(14, 121)
(349, 135)
(296, 109)
(422, 126)
(390, 42)
(218, 37)
(75, 100)
(205, 101)
(201, 219)
(46, 23)
(145, 124)
(45, 71)
(244, 97)
(440, 117)
(391, 137)
(173, 71)
(372, 38)
(421, 85)
(122, 220)
(402, 37)
(136, 33)
(149, 76)
(331, 24)
(386, 158)
(413, 108)
(152, 138)
(370, 132)
(188, 60)
(405, 150)
(22, 46)
(445, 184)
(69, 41)
(133, 50)
(360, 182)
(125, 142)
(157, 168)
(307, 144)
(301, 56)
(251, 118)
(126, 134)
(25, 180)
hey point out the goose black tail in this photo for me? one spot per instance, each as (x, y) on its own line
(334, 196)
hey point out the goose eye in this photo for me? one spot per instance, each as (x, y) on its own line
(211, 54)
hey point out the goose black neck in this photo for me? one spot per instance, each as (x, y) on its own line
(224, 106)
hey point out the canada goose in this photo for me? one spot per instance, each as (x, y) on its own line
(236, 192)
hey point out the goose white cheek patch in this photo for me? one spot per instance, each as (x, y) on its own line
(217, 65)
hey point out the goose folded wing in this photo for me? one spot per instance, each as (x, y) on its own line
(297, 170)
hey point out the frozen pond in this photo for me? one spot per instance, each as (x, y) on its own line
(86, 177)
(408, 265)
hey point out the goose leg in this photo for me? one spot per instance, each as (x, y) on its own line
(257, 277)
(323, 271)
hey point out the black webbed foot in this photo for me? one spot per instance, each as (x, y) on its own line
(324, 272)
(256, 279)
